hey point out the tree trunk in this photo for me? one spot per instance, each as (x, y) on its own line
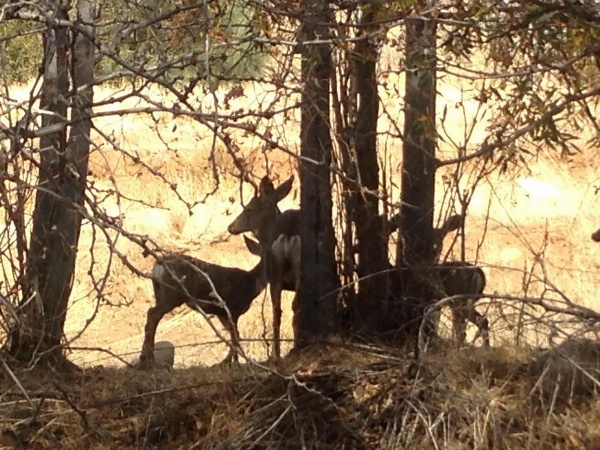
(315, 311)
(371, 236)
(418, 171)
(62, 177)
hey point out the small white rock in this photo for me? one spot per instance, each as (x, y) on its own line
(164, 355)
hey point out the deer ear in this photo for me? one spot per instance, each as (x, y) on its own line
(266, 186)
(284, 189)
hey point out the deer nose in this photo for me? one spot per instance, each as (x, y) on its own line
(231, 229)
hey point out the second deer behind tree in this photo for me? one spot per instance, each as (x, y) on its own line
(462, 280)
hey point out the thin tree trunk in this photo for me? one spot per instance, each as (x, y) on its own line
(344, 109)
(371, 237)
(316, 303)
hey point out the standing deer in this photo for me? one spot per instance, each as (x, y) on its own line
(179, 279)
(455, 279)
(279, 234)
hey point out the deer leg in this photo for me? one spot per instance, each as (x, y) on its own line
(295, 268)
(459, 323)
(483, 326)
(295, 316)
(153, 317)
(232, 328)
(276, 299)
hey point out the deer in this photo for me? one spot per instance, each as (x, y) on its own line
(279, 234)
(596, 235)
(225, 292)
(455, 279)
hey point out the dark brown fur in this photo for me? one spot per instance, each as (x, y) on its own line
(457, 278)
(178, 279)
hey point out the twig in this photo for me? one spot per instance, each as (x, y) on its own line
(273, 425)
(82, 414)
(74, 407)
(16, 380)
(104, 350)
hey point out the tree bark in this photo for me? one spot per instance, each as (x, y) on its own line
(418, 170)
(62, 177)
(372, 239)
(315, 309)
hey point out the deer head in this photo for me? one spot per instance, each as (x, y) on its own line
(262, 209)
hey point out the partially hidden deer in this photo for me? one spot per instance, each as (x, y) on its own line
(456, 278)
(226, 292)
(596, 235)
(279, 234)
(467, 282)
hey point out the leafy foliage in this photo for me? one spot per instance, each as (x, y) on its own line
(541, 68)
(184, 43)
(161, 40)
(20, 50)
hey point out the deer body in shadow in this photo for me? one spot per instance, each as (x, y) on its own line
(226, 292)
(463, 280)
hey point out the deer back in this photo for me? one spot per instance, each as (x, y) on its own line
(454, 277)
(461, 278)
(182, 279)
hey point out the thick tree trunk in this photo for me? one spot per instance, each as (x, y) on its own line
(418, 171)
(316, 303)
(63, 171)
(372, 238)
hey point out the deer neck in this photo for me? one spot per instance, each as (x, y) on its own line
(259, 273)
(266, 232)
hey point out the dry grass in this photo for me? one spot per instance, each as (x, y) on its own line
(336, 398)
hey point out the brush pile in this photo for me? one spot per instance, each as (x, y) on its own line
(359, 398)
